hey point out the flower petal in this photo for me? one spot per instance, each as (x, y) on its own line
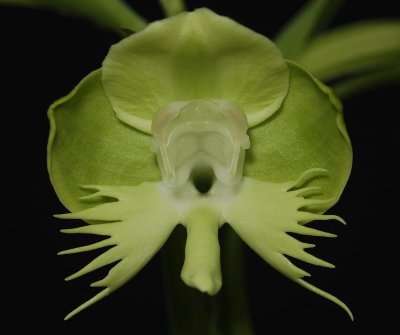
(202, 268)
(89, 145)
(197, 55)
(307, 132)
(262, 215)
(144, 219)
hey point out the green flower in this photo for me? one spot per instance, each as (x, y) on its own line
(198, 121)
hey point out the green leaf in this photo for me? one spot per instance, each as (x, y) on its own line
(310, 19)
(354, 49)
(307, 131)
(368, 81)
(89, 145)
(194, 56)
(112, 14)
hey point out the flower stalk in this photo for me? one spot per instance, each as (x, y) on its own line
(172, 7)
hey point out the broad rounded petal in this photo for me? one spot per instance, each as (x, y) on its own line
(196, 55)
(307, 132)
(89, 145)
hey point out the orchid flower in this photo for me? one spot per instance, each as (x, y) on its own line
(198, 121)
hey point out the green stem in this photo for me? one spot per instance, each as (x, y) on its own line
(235, 290)
(195, 313)
(173, 7)
(313, 17)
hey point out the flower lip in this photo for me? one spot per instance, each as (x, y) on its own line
(200, 133)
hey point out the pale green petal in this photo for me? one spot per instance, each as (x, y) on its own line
(112, 14)
(89, 145)
(308, 131)
(353, 49)
(295, 35)
(194, 56)
(143, 218)
(263, 213)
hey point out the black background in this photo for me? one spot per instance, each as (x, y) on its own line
(42, 57)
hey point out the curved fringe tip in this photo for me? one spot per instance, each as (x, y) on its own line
(326, 295)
